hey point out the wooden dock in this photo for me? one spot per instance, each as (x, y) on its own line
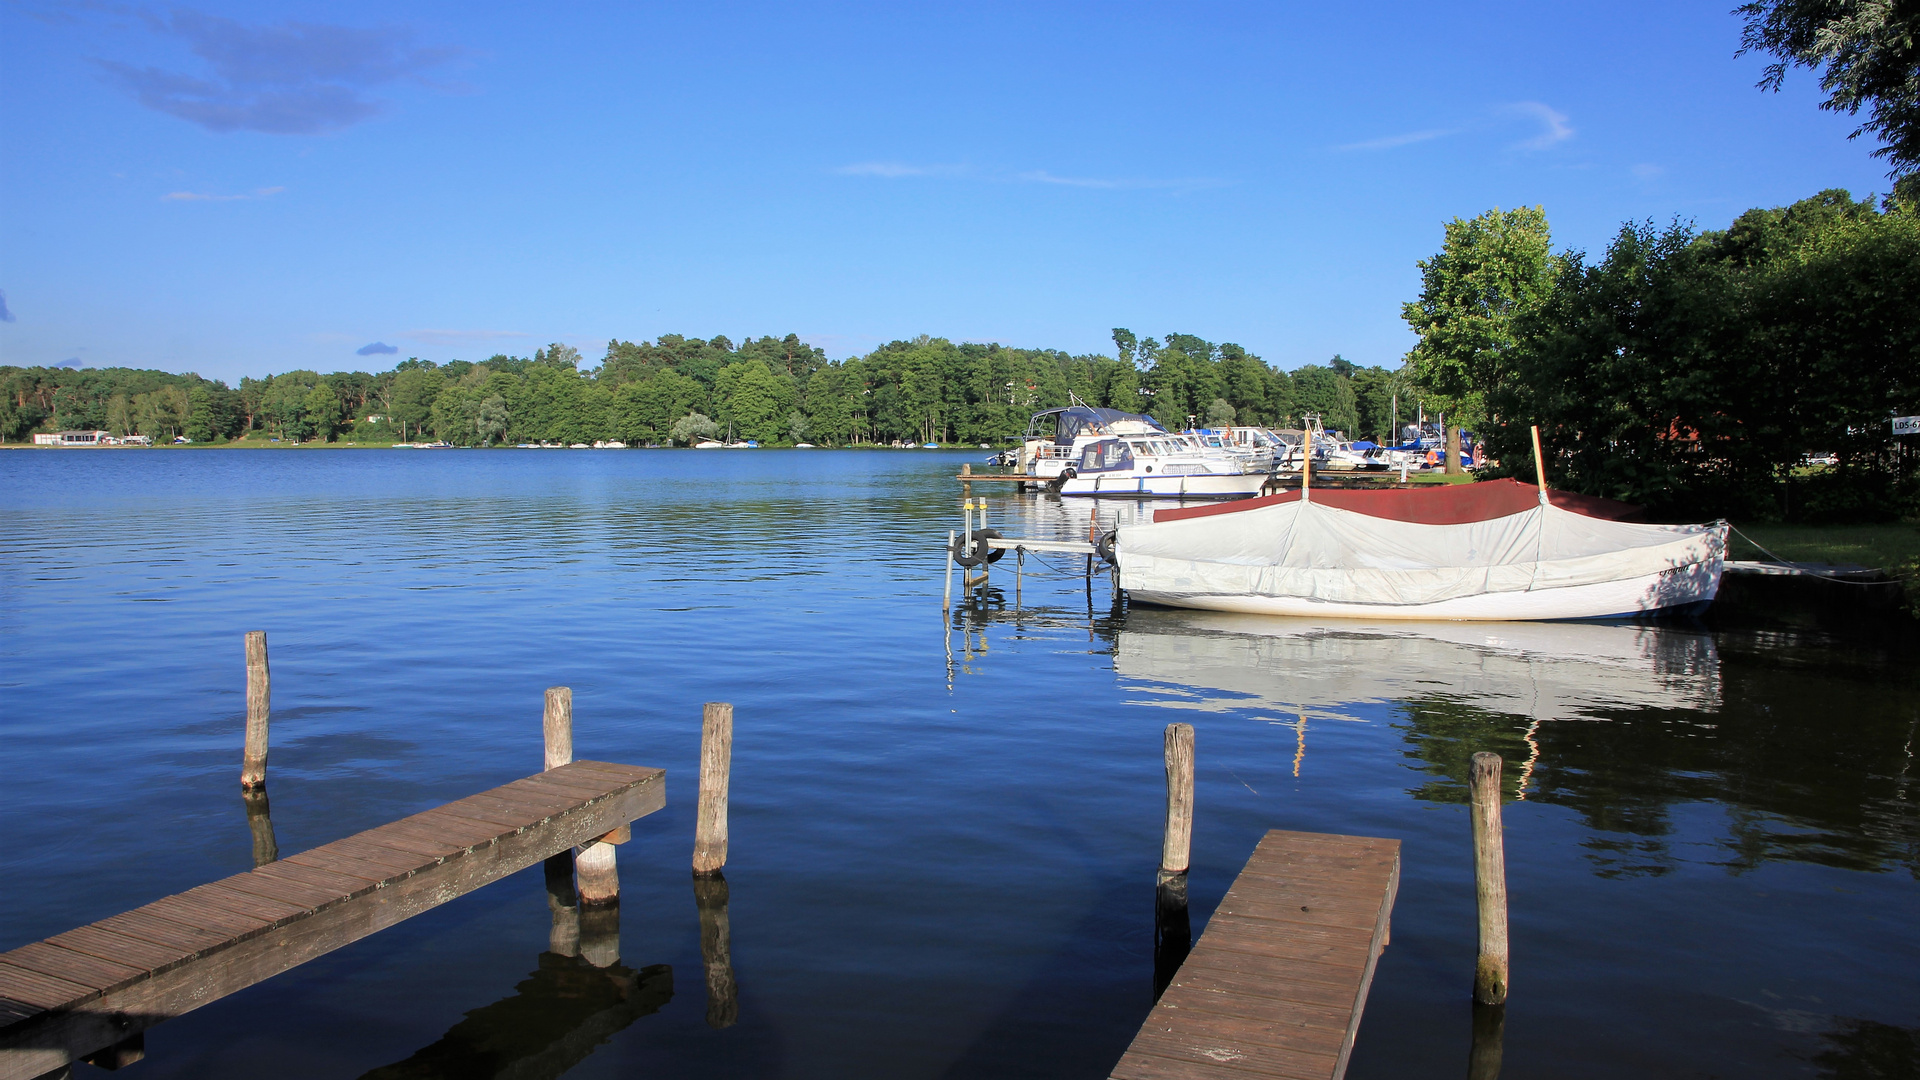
(86, 991)
(1276, 984)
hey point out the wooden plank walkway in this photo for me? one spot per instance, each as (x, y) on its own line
(77, 993)
(1275, 986)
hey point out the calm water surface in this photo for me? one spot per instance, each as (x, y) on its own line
(944, 834)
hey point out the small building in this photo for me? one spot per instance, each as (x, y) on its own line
(73, 438)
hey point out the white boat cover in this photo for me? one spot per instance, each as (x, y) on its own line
(1302, 557)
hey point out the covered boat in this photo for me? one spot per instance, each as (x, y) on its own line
(1498, 550)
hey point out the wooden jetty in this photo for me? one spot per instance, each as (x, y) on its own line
(1276, 984)
(83, 993)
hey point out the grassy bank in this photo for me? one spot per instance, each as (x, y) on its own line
(1894, 548)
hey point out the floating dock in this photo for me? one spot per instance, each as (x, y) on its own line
(81, 994)
(1276, 984)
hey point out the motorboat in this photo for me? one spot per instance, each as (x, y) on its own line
(1159, 467)
(1496, 550)
(1055, 437)
(1084, 450)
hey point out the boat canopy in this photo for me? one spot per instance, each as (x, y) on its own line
(1303, 557)
(1074, 421)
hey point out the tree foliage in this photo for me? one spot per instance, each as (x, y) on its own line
(1490, 272)
(1694, 372)
(771, 389)
(1868, 55)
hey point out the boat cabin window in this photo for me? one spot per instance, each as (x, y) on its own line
(1106, 454)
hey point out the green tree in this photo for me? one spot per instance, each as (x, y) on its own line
(202, 421)
(322, 411)
(1490, 271)
(693, 428)
(491, 419)
(410, 400)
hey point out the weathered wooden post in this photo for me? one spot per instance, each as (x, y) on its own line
(723, 997)
(1490, 881)
(260, 824)
(716, 763)
(1453, 450)
(593, 862)
(556, 725)
(253, 763)
(1176, 847)
(1172, 925)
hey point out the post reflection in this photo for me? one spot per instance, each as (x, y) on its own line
(1172, 929)
(578, 996)
(1489, 1032)
(710, 896)
(260, 824)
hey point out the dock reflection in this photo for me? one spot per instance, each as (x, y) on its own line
(577, 997)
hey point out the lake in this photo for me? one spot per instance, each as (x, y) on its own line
(944, 832)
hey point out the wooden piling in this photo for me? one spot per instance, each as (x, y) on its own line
(716, 763)
(1176, 847)
(557, 726)
(1490, 881)
(594, 862)
(1453, 450)
(253, 763)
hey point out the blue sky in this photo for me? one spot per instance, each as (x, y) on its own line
(238, 189)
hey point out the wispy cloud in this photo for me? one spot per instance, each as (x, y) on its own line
(1554, 127)
(1041, 176)
(377, 348)
(290, 78)
(461, 337)
(6, 313)
(202, 196)
(895, 170)
(1408, 139)
(1648, 171)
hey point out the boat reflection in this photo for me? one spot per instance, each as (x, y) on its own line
(1215, 661)
(1623, 723)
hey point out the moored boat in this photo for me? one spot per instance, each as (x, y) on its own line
(1489, 551)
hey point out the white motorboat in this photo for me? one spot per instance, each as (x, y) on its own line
(1159, 467)
(1487, 551)
(1109, 453)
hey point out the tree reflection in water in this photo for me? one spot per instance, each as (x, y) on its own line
(1869, 1050)
(1811, 761)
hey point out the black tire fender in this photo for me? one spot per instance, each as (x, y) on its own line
(1104, 547)
(981, 553)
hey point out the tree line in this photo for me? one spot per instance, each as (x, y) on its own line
(1691, 371)
(677, 390)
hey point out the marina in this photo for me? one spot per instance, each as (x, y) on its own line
(941, 861)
